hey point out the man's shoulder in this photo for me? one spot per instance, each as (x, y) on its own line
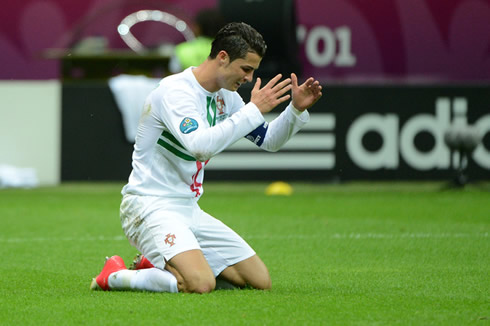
(175, 78)
(177, 82)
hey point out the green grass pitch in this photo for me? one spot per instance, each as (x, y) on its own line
(355, 254)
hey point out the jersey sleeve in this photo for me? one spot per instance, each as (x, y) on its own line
(272, 136)
(183, 119)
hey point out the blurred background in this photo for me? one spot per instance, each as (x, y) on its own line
(406, 86)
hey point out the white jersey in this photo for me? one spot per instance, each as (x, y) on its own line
(183, 126)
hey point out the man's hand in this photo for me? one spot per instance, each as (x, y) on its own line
(306, 94)
(271, 95)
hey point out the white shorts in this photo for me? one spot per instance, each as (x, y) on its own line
(162, 228)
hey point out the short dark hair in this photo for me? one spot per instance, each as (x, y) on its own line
(238, 39)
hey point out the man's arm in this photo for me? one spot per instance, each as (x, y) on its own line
(203, 142)
(271, 137)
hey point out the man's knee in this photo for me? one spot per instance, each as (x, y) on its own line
(259, 281)
(250, 272)
(192, 272)
(199, 283)
(262, 282)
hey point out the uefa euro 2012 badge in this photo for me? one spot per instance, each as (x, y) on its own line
(188, 125)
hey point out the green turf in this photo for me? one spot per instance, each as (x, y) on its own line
(362, 254)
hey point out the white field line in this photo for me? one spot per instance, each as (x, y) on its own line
(335, 236)
(67, 239)
(359, 236)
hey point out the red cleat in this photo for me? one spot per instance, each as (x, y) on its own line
(112, 265)
(140, 262)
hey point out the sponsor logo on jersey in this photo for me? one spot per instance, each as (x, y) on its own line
(188, 125)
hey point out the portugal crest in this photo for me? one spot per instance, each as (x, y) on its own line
(170, 239)
(220, 105)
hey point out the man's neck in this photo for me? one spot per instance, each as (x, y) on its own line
(205, 75)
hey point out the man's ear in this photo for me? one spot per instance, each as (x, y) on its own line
(223, 58)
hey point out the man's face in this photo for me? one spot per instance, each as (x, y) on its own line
(233, 74)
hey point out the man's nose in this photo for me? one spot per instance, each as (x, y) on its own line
(249, 77)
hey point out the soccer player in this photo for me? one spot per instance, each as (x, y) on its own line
(189, 118)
